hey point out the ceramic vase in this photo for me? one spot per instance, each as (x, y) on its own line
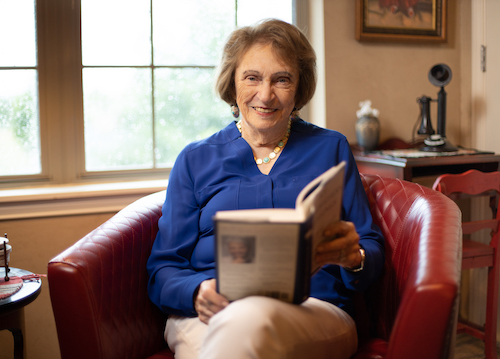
(368, 132)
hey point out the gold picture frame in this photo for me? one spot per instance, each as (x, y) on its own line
(401, 20)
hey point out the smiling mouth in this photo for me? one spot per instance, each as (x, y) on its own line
(263, 110)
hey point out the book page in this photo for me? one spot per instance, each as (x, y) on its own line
(257, 260)
(326, 213)
(259, 215)
(322, 199)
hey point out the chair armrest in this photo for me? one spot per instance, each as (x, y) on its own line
(429, 304)
(98, 288)
(414, 307)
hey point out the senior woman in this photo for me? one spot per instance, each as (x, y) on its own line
(263, 160)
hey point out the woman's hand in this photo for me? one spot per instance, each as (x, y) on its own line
(341, 246)
(208, 302)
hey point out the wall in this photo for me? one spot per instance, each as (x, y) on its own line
(394, 75)
(391, 75)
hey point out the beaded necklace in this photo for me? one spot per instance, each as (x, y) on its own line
(278, 147)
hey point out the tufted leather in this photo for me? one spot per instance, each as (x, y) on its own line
(98, 289)
(101, 308)
(413, 309)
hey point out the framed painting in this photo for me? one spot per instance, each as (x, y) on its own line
(401, 20)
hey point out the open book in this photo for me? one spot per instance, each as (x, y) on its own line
(270, 251)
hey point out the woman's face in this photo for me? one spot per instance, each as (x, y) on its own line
(238, 250)
(265, 88)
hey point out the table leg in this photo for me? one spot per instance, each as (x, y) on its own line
(14, 322)
(18, 343)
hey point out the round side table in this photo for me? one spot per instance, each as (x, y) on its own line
(12, 308)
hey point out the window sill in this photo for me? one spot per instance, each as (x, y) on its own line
(73, 199)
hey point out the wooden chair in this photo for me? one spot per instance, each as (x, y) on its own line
(474, 183)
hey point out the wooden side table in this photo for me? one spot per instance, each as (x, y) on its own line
(407, 168)
(12, 308)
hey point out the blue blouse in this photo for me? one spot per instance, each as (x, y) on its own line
(219, 173)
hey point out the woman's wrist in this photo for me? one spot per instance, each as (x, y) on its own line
(361, 264)
(195, 296)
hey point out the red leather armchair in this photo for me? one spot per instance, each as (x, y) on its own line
(101, 308)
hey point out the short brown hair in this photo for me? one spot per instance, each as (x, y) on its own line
(289, 43)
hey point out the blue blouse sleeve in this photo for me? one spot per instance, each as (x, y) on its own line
(172, 279)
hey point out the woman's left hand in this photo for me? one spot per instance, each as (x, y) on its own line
(341, 246)
(208, 302)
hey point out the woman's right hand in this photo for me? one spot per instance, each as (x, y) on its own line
(208, 302)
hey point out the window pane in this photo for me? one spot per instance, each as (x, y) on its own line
(188, 37)
(116, 32)
(17, 33)
(186, 110)
(191, 32)
(251, 11)
(118, 118)
(19, 131)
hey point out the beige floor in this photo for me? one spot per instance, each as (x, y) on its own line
(470, 348)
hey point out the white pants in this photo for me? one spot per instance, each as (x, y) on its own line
(260, 327)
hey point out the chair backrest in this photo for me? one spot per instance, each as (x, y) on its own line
(98, 288)
(414, 305)
(474, 183)
(476, 252)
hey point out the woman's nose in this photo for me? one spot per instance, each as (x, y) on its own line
(266, 92)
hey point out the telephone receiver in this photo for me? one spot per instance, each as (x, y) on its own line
(439, 75)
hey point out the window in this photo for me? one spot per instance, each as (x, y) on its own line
(122, 99)
(19, 125)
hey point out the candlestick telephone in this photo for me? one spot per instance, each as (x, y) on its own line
(439, 75)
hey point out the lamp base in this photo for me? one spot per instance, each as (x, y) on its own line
(436, 143)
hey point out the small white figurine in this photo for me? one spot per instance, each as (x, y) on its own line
(366, 110)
